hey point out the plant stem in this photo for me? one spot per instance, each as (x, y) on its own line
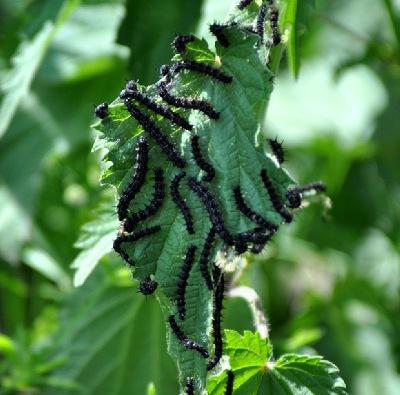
(254, 302)
(393, 20)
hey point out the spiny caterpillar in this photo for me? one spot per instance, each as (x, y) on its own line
(294, 194)
(275, 199)
(147, 286)
(249, 213)
(155, 132)
(186, 342)
(216, 322)
(200, 161)
(138, 178)
(183, 279)
(186, 102)
(218, 31)
(243, 4)
(232, 213)
(273, 18)
(229, 383)
(101, 111)
(277, 149)
(178, 200)
(131, 92)
(158, 197)
(200, 67)
(189, 386)
(180, 42)
(205, 257)
(122, 238)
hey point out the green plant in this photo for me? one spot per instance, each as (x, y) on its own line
(205, 194)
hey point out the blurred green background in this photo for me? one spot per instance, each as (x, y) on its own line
(330, 282)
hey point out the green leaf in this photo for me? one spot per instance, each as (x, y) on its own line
(96, 241)
(111, 341)
(231, 144)
(289, 23)
(16, 83)
(255, 371)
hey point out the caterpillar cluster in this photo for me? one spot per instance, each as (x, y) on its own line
(141, 106)
(180, 203)
(158, 197)
(201, 67)
(131, 92)
(138, 178)
(180, 43)
(274, 197)
(200, 161)
(216, 322)
(159, 137)
(183, 279)
(205, 256)
(185, 341)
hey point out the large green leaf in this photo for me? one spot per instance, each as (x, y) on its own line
(256, 372)
(234, 151)
(111, 341)
(25, 63)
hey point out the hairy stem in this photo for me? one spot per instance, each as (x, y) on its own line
(256, 307)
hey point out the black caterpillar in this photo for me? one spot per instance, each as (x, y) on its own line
(243, 4)
(249, 213)
(218, 31)
(260, 22)
(205, 256)
(273, 18)
(200, 161)
(186, 342)
(229, 383)
(160, 138)
(212, 208)
(216, 322)
(277, 150)
(152, 207)
(183, 279)
(273, 195)
(189, 386)
(294, 194)
(147, 287)
(131, 238)
(101, 110)
(181, 204)
(201, 67)
(186, 102)
(138, 178)
(131, 92)
(180, 42)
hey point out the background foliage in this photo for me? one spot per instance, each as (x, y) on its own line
(330, 282)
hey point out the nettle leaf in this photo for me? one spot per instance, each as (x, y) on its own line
(95, 242)
(255, 370)
(215, 175)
